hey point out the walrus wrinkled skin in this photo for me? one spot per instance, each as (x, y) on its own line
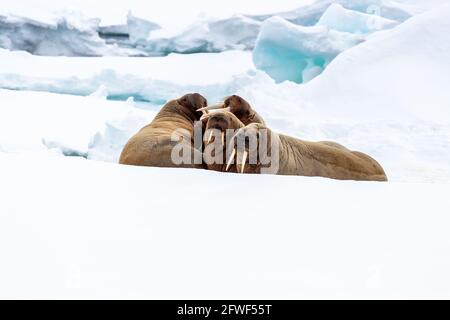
(305, 158)
(152, 145)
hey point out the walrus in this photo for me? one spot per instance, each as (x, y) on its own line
(239, 107)
(296, 157)
(233, 113)
(153, 145)
(299, 157)
(216, 125)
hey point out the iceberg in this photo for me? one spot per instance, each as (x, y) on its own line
(64, 37)
(72, 34)
(310, 14)
(289, 52)
(131, 36)
(90, 127)
(140, 29)
(305, 15)
(81, 36)
(338, 18)
(237, 32)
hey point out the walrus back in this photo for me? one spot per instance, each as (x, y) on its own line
(152, 146)
(328, 159)
(154, 149)
(344, 164)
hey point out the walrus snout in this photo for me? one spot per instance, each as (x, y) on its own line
(246, 145)
(216, 122)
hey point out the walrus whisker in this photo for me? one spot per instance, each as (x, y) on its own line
(244, 159)
(230, 159)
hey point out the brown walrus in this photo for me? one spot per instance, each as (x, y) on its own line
(296, 157)
(216, 125)
(299, 157)
(233, 113)
(153, 144)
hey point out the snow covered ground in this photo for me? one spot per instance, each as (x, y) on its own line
(73, 228)
(74, 224)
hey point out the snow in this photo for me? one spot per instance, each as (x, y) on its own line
(338, 18)
(69, 125)
(289, 52)
(75, 224)
(94, 230)
(156, 80)
(402, 79)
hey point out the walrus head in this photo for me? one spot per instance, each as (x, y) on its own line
(256, 149)
(239, 107)
(191, 103)
(219, 127)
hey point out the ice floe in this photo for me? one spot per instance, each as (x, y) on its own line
(296, 53)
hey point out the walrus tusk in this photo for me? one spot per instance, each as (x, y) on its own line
(223, 138)
(210, 137)
(230, 159)
(212, 107)
(244, 159)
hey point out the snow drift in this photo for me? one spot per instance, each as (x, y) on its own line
(93, 230)
(152, 80)
(67, 125)
(398, 75)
